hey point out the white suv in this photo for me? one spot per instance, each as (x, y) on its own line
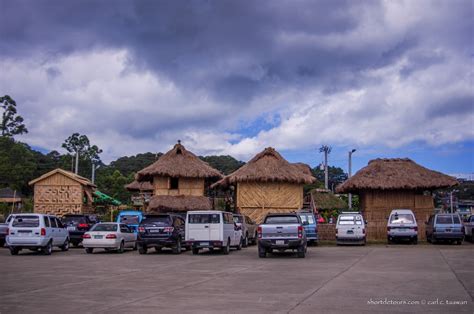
(36, 232)
(402, 225)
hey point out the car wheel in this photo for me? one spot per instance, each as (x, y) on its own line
(157, 249)
(245, 242)
(89, 250)
(301, 252)
(195, 251)
(428, 239)
(142, 249)
(14, 250)
(262, 253)
(135, 247)
(415, 240)
(389, 241)
(75, 243)
(177, 247)
(65, 246)
(239, 247)
(226, 249)
(459, 242)
(120, 249)
(48, 249)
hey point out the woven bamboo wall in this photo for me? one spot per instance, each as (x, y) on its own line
(186, 186)
(59, 195)
(257, 199)
(377, 205)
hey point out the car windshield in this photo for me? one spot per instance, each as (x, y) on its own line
(307, 218)
(281, 220)
(74, 220)
(156, 220)
(444, 219)
(105, 227)
(26, 221)
(238, 219)
(130, 219)
(402, 219)
(204, 218)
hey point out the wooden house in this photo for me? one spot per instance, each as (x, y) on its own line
(141, 193)
(11, 197)
(387, 184)
(62, 192)
(268, 184)
(180, 181)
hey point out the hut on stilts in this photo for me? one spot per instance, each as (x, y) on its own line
(387, 184)
(268, 183)
(180, 181)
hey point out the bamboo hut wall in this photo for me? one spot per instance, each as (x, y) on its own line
(186, 186)
(256, 199)
(377, 205)
(60, 195)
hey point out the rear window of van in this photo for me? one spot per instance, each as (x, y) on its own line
(402, 219)
(26, 221)
(204, 218)
(282, 220)
(444, 219)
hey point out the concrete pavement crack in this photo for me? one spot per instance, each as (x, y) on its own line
(455, 274)
(328, 281)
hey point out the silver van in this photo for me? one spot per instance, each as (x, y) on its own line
(402, 226)
(36, 232)
(350, 229)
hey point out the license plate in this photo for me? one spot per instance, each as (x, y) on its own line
(204, 243)
(98, 237)
(71, 228)
(350, 231)
(280, 242)
(154, 230)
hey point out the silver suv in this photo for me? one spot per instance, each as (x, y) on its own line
(36, 232)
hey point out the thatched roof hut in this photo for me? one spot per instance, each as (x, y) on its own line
(144, 186)
(396, 174)
(269, 166)
(268, 183)
(178, 163)
(398, 183)
(163, 203)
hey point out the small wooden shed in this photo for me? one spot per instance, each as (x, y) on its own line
(62, 192)
(387, 184)
(268, 183)
(180, 181)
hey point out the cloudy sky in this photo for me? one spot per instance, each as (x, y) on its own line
(389, 78)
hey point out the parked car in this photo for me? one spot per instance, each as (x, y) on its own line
(310, 226)
(132, 218)
(282, 232)
(36, 232)
(249, 229)
(161, 231)
(77, 225)
(444, 227)
(4, 230)
(350, 229)
(402, 226)
(469, 228)
(109, 236)
(212, 229)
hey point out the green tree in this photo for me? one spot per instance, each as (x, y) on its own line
(336, 176)
(17, 165)
(88, 153)
(225, 164)
(12, 123)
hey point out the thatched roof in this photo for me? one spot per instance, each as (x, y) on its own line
(396, 174)
(179, 162)
(325, 199)
(139, 186)
(269, 166)
(165, 203)
(70, 175)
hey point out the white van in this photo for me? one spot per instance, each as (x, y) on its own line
(212, 229)
(36, 232)
(402, 225)
(350, 228)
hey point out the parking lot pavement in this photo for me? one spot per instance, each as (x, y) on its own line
(378, 278)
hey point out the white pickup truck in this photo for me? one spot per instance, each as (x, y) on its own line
(281, 232)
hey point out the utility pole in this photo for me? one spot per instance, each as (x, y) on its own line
(77, 163)
(349, 174)
(326, 150)
(94, 168)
